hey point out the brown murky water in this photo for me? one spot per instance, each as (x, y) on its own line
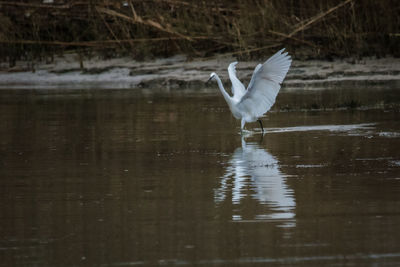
(121, 178)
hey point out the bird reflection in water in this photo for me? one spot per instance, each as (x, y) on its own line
(252, 167)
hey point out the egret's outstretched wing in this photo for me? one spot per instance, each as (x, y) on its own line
(238, 88)
(264, 85)
(254, 74)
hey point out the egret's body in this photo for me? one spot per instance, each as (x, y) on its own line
(250, 104)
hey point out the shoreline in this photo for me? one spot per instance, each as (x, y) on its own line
(179, 73)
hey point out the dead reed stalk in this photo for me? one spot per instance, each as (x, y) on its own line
(148, 28)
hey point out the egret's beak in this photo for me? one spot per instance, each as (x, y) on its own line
(209, 79)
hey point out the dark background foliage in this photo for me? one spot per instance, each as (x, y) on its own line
(37, 30)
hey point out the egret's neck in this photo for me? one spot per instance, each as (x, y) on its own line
(221, 88)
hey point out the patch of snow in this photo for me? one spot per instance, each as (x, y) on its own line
(125, 73)
(310, 166)
(395, 163)
(389, 134)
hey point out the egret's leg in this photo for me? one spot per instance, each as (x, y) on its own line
(242, 125)
(262, 129)
(261, 138)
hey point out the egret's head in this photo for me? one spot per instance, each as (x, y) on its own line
(212, 76)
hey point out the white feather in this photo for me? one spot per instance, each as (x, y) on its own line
(252, 76)
(264, 86)
(238, 89)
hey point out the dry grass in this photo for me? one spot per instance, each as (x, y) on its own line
(148, 28)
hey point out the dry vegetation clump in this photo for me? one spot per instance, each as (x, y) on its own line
(37, 29)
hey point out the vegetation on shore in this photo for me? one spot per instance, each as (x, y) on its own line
(40, 29)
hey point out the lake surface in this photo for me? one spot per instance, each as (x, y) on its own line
(128, 177)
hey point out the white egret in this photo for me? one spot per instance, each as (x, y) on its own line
(251, 103)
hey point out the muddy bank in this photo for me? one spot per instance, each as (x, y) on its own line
(180, 73)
